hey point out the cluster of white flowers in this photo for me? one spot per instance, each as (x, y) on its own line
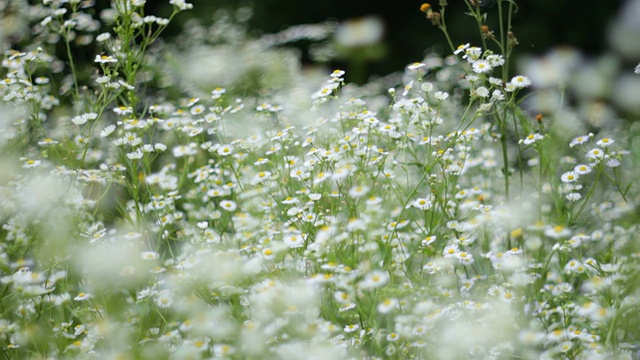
(370, 227)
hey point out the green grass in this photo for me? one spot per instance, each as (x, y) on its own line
(149, 215)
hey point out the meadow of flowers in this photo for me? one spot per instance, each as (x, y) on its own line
(212, 198)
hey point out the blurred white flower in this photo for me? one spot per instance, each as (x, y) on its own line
(625, 92)
(102, 59)
(374, 279)
(624, 31)
(552, 69)
(360, 32)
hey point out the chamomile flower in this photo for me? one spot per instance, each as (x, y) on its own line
(570, 177)
(441, 95)
(181, 4)
(582, 169)
(374, 279)
(197, 110)
(47, 141)
(351, 328)
(223, 350)
(387, 305)
(481, 66)
(426, 87)
(358, 191)
(472, 53)
(422, 203)
(228, 205)
(185, 150)
(82, 296)
(464, 257)
(429, 240)
(461, 48)
(565, 346)
(225, 150)
(294, 239)
(595, 154)
(123, 110)
(135, 155)
(573, 196)
(481, 91)
(261, 177)
(580, 140)
(149, 255)
(164, 299)
(557, 232)
(496, 96)
(337, 74)
(393, 336)
(325, 91)
(268, 253)
(322, 176)
(531, 138)
(520, 82)
(30, 163)
(416, 66)
(450, 250)
(495, 60)
(217, 93)
(604, 142)
(574, 266)
(103, 37)
(104, 59)
(82, 119)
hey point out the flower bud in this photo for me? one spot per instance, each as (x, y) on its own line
(486, 32)
(513, 41)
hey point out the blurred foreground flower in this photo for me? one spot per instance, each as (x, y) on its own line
(360, 32)
(358, 41)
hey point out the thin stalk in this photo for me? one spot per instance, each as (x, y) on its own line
(572, 219)
(72, 65)
(443, 27)
(505, 154)
(505, 68)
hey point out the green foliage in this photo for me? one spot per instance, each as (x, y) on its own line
(180, 206)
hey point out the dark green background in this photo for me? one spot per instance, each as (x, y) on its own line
(538, 24)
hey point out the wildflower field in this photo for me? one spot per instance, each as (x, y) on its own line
(211, 197)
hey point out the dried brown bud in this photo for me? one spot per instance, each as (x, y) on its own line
(435, 19)
(486, 32)
(513, 41)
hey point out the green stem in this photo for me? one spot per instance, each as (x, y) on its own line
(572, 219)
(443, 27)
(540, 174)
(72, 65)
(475, 9)
(520, 165)
(505, 68)
(505, 154)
